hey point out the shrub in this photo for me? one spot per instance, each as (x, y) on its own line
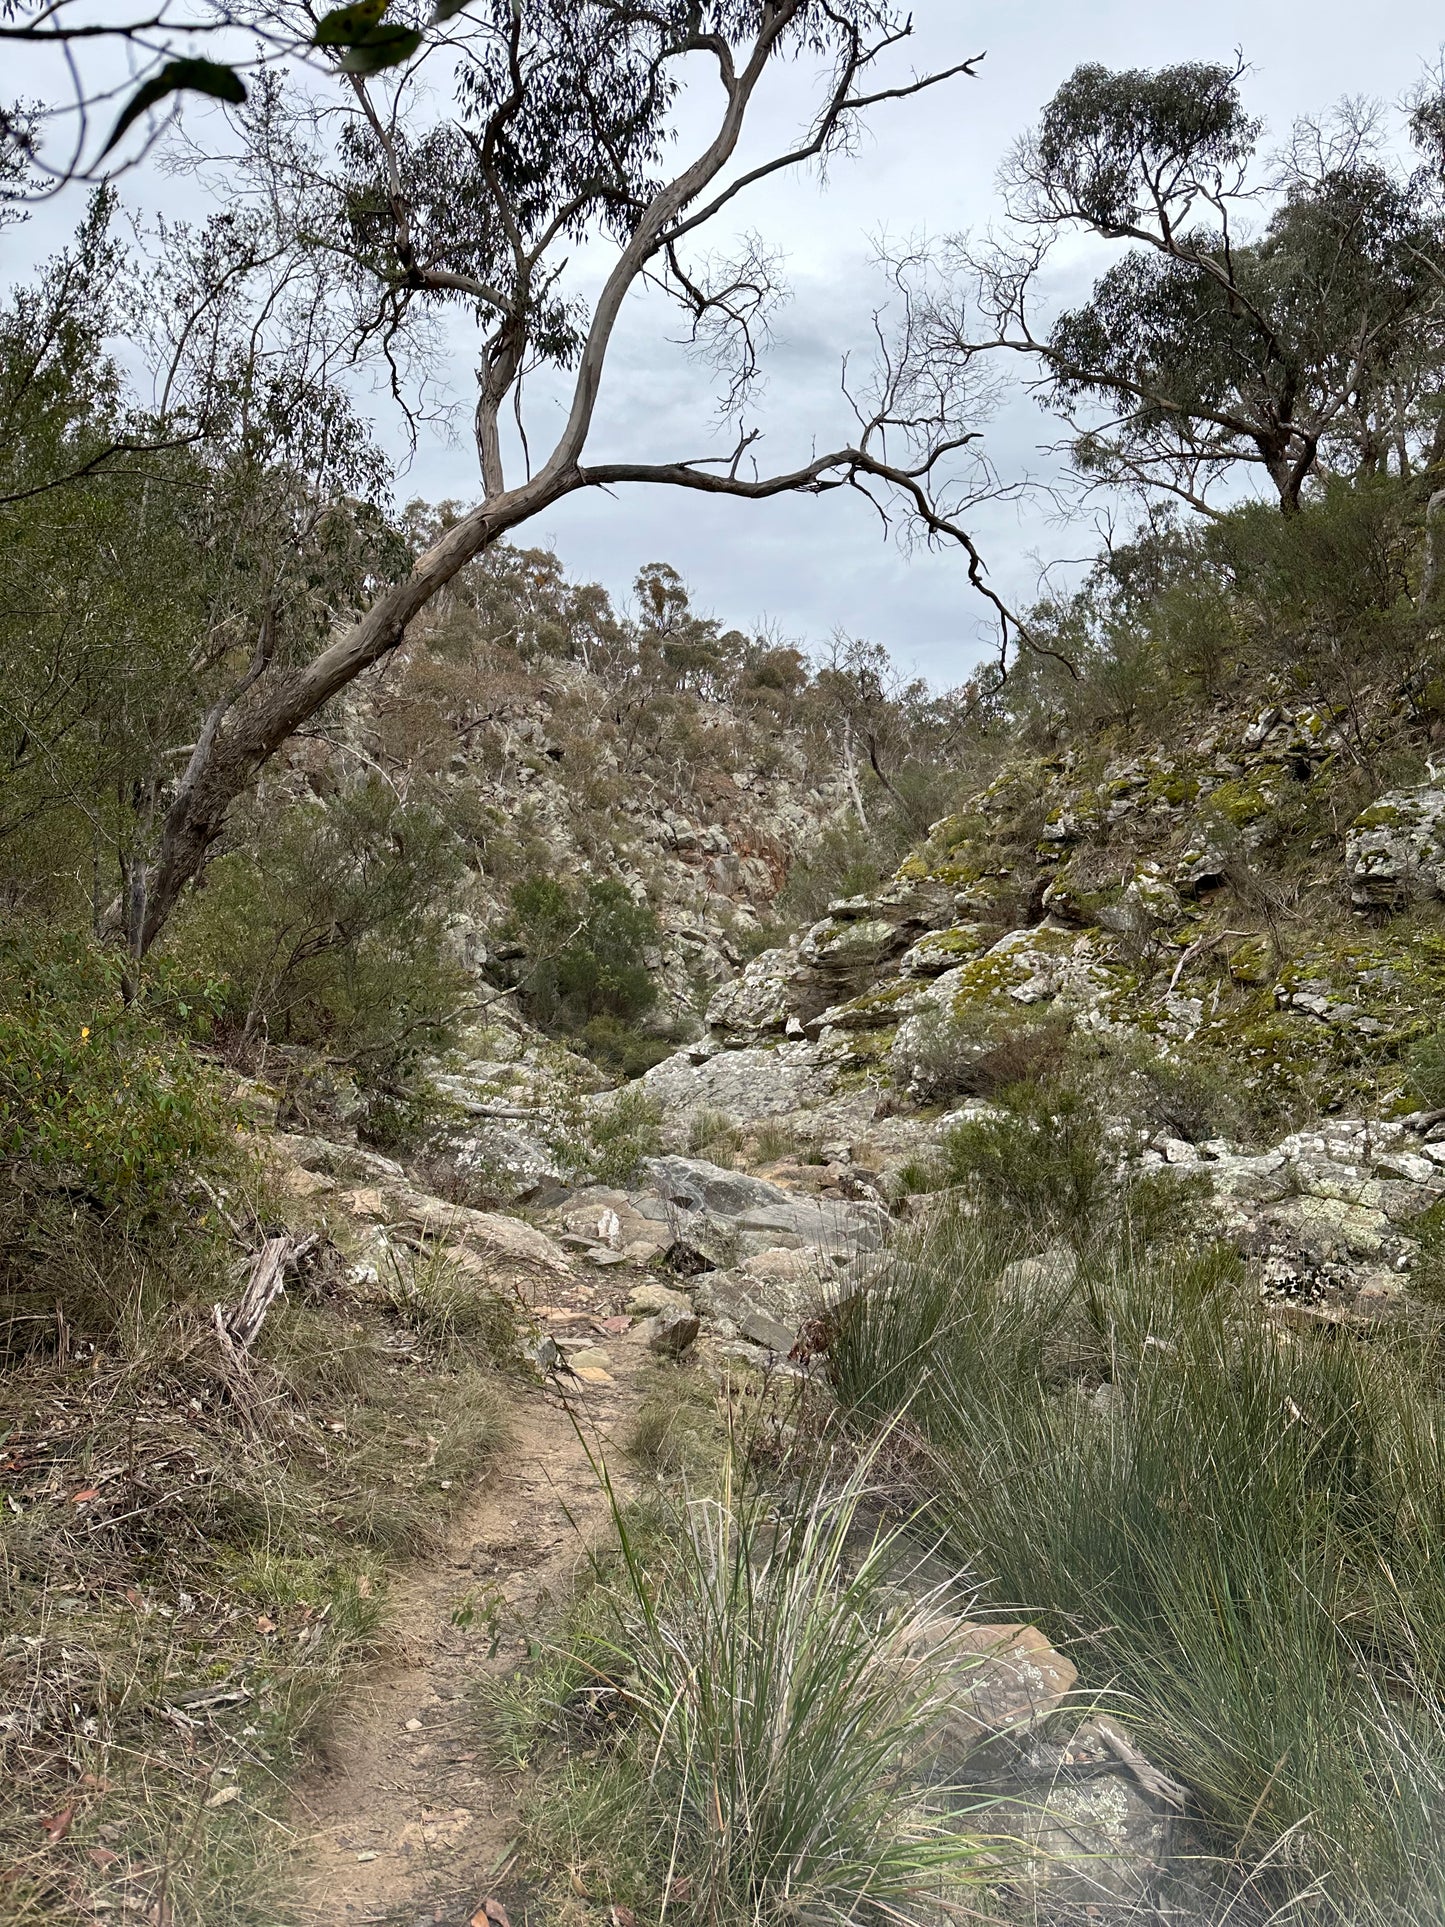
(772, 1139)
(975, 1051)
(679, 1427)
(1128, 1076)
(1425, 1070)
(582, 951)
(433, 1295)
(330, 928)
(619, 1133)
(1043, 1163)
(714, 1133)
(617, 1046)
(846, 860)
(100, 1097)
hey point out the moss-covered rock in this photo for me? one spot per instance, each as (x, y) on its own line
(941, 950)
(1395, 851)
(1252, 962)
(1245, 800)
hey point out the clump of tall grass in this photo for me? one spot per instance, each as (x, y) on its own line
(771, 1139)
(439, 1298)
(772, 1716)
(1238, 1529)
(715, 1133)
(680, 1428)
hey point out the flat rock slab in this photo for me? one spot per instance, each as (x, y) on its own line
(488, 1234)
(755, 1208)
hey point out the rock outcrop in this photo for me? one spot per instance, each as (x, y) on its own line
(1068, 903)
(1395, 850)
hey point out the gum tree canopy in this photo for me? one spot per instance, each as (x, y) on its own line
(450, 171)
(1301, 339)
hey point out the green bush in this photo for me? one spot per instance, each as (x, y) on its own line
(1129, 1076)
(977, 1051)
(613, 1138)
(1425, 1070)
(582, 952)
(329, 925)
(98, 1096)
(1043, 1162)
(619, 1047)
(430, 1293)
(846, 860)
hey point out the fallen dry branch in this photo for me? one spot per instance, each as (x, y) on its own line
(1197, 949)
(237, 1330)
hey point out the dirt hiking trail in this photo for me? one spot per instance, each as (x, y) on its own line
(405, 1821)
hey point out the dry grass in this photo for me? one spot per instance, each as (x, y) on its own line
(185, 1578)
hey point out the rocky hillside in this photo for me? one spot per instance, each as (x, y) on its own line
(552, 758)
(1124, 918)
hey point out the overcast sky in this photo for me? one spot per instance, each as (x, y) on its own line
(811, 566)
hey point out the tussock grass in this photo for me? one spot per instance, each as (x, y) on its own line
(714, 1134)
(680, 1427)
(444, 1303)
(747, 1724)
(1237, 1530)
(771, 1139)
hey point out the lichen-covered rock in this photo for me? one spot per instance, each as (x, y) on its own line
(994, 1679)
(1395, 850)
(508, 1163)
(650, 1300)
(940, 950)
(743, 1084)
(1151, 895)
(842, 957)
(877, 1009)
(1091, 1834)
(762, 1215)
(1202, 867)
(487, 1234)
(760, 1001)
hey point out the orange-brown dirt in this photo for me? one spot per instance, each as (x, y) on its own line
(407, 1817)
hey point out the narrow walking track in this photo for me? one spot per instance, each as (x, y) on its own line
(406, 1821)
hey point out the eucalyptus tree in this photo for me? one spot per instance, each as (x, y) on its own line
(1310, 343)
(561, 138)
(169, 530)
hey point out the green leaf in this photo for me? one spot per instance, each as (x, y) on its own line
(345, 26)
(447, 10)
(178, 76)
(382, 47)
